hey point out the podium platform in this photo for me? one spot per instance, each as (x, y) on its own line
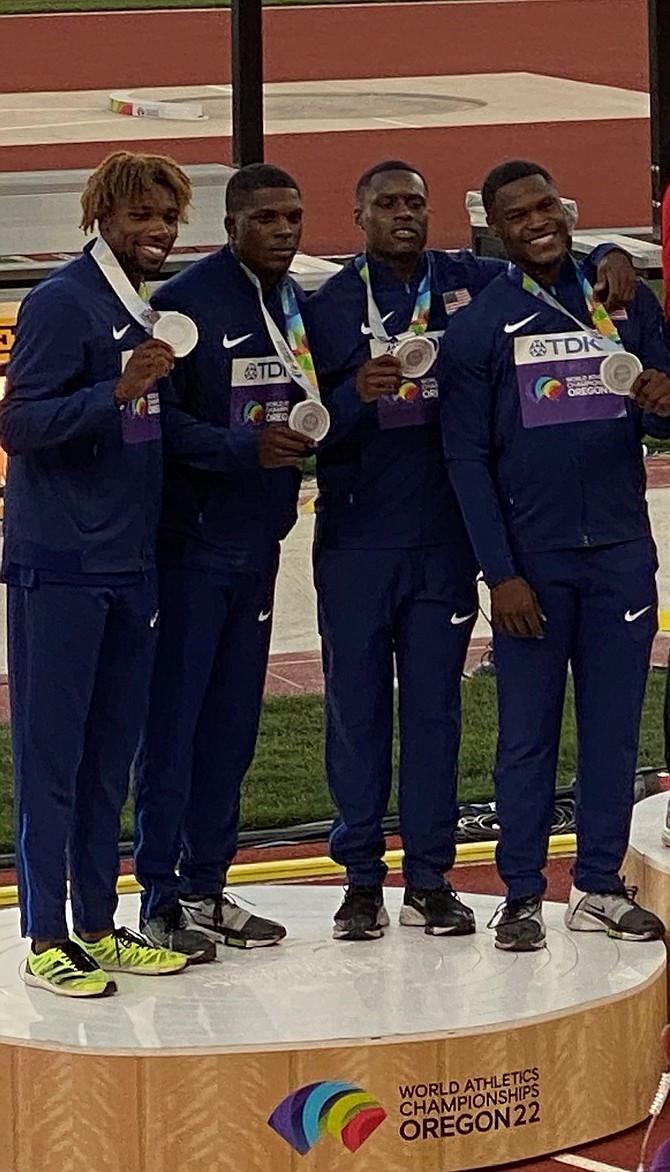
(409, 1054)
(647, 863)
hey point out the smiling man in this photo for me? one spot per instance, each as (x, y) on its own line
(81, 424)
(547, 465)
(394, 569)
(232, 478)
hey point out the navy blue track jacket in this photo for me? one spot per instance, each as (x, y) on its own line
(84, 478)
(540, 456)
(220, 508)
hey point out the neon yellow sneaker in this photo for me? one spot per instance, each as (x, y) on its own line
(123, 951)
(68, 971)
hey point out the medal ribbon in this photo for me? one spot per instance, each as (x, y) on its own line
(294, 353)
(600, 318)
(135, 302)
(420, 313)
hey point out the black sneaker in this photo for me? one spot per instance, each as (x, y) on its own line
(617, 913)
(223, 920)
(520, 927)
(438, 911)
(362, 915)
(171, 930)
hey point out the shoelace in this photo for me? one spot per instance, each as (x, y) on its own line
(124, 938)
(78, 958)
(521, 905)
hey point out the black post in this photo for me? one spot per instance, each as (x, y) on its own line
(247, 57)
(659, 92)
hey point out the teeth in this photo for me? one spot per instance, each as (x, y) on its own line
(543, 239)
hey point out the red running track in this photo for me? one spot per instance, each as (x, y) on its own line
(601, 41)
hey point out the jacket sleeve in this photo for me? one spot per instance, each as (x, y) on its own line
(45, 404)
(466, 410)
(210, 447)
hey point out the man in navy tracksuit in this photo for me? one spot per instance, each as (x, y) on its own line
(231, 489)
(81, 424)
(548, 469)
(394, 569)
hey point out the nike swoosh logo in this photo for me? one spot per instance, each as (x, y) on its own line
(630, 617)
(512, 326)
(264, 616)
(366, 329)
(228, 343)
(117, 334)
(457, 619)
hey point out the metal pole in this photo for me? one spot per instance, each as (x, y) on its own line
(659, 93)
(247, 61)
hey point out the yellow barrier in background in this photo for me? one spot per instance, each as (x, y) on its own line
(320, 867)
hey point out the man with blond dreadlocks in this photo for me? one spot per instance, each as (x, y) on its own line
(81, 425)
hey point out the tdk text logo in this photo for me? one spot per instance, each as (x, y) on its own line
(258, 371)
(564, 345)
(265, 370)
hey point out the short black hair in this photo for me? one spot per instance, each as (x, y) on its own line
(252, 178)
(506, 173)
(381, 169)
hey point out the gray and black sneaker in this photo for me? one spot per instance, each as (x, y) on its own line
(616, 913)
(438, 911)
(519, 925)
(171, 930)
(223, 920)
(362, 915)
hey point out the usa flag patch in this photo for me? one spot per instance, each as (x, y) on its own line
(456, 299)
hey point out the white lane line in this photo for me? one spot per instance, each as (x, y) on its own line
(586, 1164)
(58, 125)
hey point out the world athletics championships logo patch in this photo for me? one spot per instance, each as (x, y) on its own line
(327, 1108)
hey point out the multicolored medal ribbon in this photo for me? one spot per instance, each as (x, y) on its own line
(415, 353)
(618, 369)
(310, 417)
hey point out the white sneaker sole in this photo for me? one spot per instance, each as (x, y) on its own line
(40, 983)
(411, 917)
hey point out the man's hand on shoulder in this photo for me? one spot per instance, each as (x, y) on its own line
(616, 285)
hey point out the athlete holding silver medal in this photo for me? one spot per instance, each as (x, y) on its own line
(545, 400)
(81, 422)
(246, 410)
(394, 569)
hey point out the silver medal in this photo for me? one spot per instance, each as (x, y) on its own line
(618, 372)
(178, 331)
(310, 418)
(416, 355)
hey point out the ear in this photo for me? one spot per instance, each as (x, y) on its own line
(492, 228)
(229, 225)
(357, 217)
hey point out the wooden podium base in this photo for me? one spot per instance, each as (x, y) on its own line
(410, 1054)
(647, 864)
